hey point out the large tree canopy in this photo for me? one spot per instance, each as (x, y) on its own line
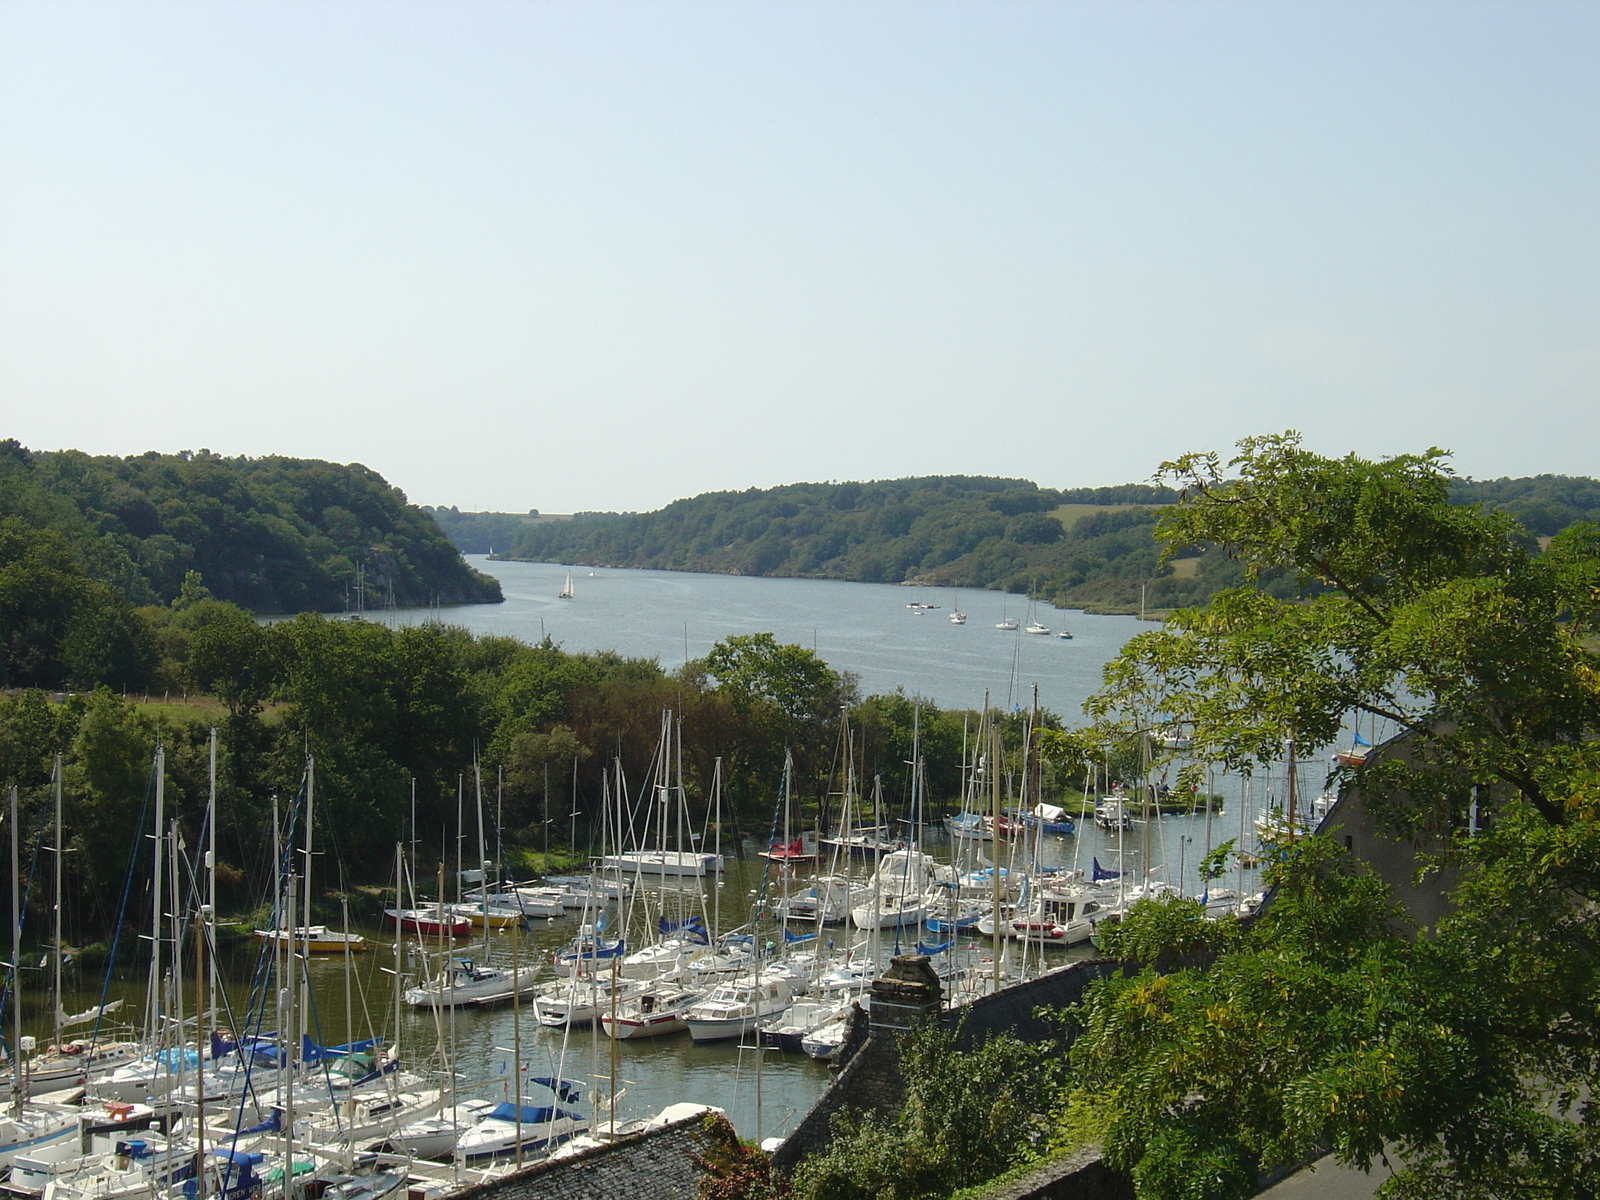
(1445, 619)
(1469, 1057)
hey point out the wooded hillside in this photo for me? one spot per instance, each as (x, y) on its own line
(1090, 548)
(270, 534)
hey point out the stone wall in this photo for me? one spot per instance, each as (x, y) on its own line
(657, 1164)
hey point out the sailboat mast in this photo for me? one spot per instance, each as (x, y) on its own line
(201, 916)
(716, 887)
(16, 957)
(60, 850)
(156, 898)
(311, 785)
(483, 864)
(994, 868)
(211, 853)
(1292, 774)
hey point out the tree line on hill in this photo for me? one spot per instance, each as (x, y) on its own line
(94, 548)
(1089, 548)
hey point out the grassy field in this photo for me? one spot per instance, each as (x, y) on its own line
(194, 710)
(1070, 514)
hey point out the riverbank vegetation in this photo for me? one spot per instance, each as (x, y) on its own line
(394, 719)
(1086, 548)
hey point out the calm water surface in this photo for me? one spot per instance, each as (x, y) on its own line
(865, 628)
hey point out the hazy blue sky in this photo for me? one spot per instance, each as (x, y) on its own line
(601, 255)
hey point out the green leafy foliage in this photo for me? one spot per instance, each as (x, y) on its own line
(1466, 1058)
(1413, 607)
(968, 1117)
(270, 534)
(734, 1169)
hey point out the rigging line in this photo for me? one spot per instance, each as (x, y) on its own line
(22, 918)
(122, 906)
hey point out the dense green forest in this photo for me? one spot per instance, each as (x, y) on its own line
(274, 535)
(1089, 548)
(95, 550)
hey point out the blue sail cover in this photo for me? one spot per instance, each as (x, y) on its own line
(272, 1124)
(693, 929)
(791, 938)
(930, 951)
(566, 1091)
(579, 948)
(310, 1052)
(1100, 873)
(542, 1114)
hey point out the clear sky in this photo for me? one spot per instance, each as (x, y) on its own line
(602, 255)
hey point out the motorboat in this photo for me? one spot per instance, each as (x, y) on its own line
(734, 1009)
(789, 1029)
(462, 982)
(653, 1013)
(1112, 813)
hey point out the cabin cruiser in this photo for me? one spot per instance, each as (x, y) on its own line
(734, 1009)
(653, 1013)
(463, 982)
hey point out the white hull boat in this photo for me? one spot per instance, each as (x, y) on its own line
(734, 1009)
(542, 1128)
(668, 863)
(656, 1013)
(436, 1136)
(465, 984)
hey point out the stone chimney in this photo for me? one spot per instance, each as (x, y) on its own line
(905, 996)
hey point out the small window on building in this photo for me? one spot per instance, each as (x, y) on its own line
(1349, 842)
